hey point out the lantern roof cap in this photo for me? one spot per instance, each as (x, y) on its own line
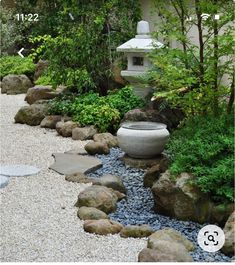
(143, 42)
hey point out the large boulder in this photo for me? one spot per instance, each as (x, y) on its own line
(153, 173)
(91, 213)
(180, 198)
(167, 245)
(165, 251)
(31, 115)
(178, 251)
(102, 227)
(15, 84)
(221, 212)
(113, 182)
(120, 195)
(170, 117)
(100, 197)
(136, 115)
(170, 235)
(136, 231)
(41, 66)
(84, 133)
(40, 92)
(107, 138)
(65, 128)
(152, 255)
(50, 121)
(229, 231)
(93, 148)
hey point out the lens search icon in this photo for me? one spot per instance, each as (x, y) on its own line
(211, 238)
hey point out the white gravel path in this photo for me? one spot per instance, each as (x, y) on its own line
(38, 219)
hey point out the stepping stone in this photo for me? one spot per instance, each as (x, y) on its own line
(3, 181)
(66, 164)
(18, 170)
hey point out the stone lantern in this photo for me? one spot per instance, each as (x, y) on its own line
(136, 51)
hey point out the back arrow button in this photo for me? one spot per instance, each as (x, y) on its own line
(20, 52)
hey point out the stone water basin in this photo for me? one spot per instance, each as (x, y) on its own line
(143, 139)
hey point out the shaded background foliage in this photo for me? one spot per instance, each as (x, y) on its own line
(81, 49)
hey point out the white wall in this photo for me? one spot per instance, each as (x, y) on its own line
(149, 14)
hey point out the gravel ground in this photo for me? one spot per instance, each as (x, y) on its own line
(38, 219)
(138, 208)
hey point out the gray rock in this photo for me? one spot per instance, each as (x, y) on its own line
(85, 133)
(65, 128)
(229, 231)
(77, 151)
(50, 121)
(93, 148)
(168, 116)
(102, 227)
(113, 182)
(40, 92)
(180, 198)
(31, 115)
(154, 172)
(152, 255)
(142, 163)
(107, 138)
(81, 178)
(170, 235)
(136, 231)
(173, 249)
(91, 213)
(15, 84)
(68, 164)
(120, 195)
(41, 66)
(76, 177)
(221, 212)
(99, 197)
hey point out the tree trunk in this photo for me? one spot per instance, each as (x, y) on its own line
(231, 98)
(201, 43)
(216, 58)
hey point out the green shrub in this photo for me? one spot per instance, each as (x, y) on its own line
(124, 100)
(16, 65)
(43, 80)
(104, 117)
(91, 109)
(204, 146)
(62, 105)
(82, 51)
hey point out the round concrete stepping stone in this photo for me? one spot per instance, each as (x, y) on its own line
(3, 181)
(18, 170)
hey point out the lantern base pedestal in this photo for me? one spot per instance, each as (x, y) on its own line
(139, 88)
(141, 91)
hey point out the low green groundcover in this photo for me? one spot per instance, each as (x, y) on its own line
(16, 65)
(204, 146)
(91, 109)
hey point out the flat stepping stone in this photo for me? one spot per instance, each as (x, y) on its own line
(3, 181)
(67, 164)
(18, 170)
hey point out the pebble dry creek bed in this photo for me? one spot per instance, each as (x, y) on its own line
(138, 208)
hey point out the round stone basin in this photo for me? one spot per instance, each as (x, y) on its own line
(143, 139)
